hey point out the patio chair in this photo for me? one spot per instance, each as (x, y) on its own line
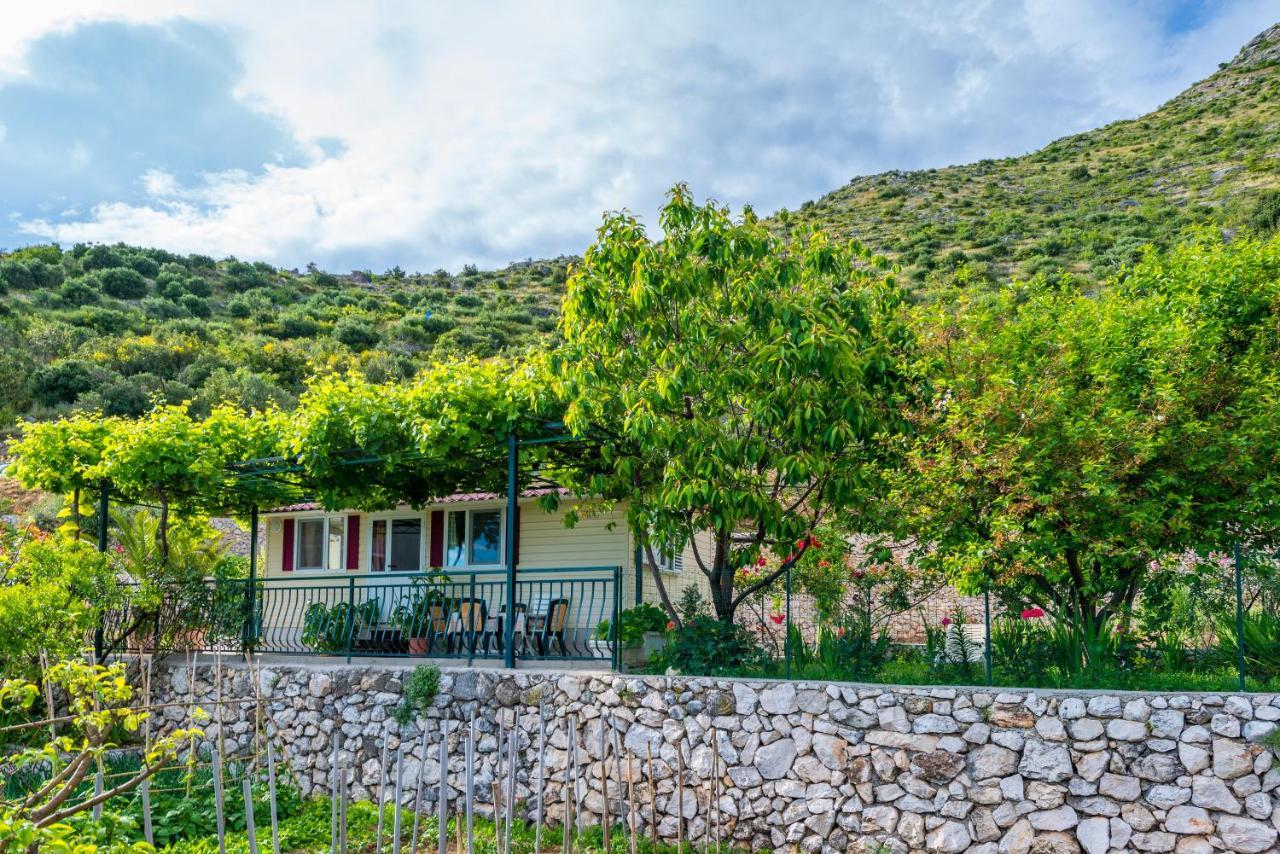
(496, 630)
(548, 627)
(466, 624)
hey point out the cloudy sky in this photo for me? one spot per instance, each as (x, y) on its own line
(363, 135)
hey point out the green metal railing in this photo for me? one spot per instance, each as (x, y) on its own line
(458, 614)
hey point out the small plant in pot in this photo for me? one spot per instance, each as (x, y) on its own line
(420, 612)
(640, 632)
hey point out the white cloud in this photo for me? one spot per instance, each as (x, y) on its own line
(500, 131)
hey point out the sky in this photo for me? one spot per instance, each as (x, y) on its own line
(364, 135)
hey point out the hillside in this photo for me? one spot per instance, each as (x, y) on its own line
(1086, 203)
(118, 327)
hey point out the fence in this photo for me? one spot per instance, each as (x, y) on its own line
(458, 615)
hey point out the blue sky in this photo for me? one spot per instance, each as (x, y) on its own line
(427, 135)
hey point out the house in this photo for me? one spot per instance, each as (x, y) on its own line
(433, 581)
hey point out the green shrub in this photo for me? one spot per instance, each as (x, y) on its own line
(359, 335)
(122, 283)
(1261, 642)
(420, 690)
(634, 622)
(705, 646)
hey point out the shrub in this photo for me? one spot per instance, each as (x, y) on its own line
(122, 283)
(62, 382)
(634, 622)
(1261, 642)
(420, 690)
(78, 292)
(356, 334)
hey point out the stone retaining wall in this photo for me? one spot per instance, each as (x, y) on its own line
(821, 767)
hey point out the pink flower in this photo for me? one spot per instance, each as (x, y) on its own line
(119, 549)
(762, 561)
(946, 621)
(1032, 613)
(840, 632)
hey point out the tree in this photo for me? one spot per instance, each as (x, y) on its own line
(1069, 443)
(122, 283)
(740, 384)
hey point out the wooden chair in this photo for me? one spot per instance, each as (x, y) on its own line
(466, 624)
(549, 627)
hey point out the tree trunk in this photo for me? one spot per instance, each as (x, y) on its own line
(162, 531)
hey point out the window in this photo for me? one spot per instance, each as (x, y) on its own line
(396, 545)
(321, 543)
(474, 538)
(673, 562)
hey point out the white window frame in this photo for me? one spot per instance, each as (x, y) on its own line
(467, 541)
(672, 563)
(389, 518)
(297, 542)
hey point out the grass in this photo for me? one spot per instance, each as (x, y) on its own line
(308, 833)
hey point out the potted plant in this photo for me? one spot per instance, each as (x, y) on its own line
(420, 612)
(640, 633)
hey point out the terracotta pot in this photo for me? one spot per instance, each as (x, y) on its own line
(417, 646)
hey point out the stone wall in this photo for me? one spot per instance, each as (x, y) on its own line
(818, 767)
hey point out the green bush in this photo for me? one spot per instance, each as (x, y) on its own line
(359, 335)
(634, 622)
(420, 690)
(705, 646)
(122, 283)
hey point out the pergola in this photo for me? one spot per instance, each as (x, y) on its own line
(274, 481)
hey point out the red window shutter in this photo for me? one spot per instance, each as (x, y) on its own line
(286, 546)
(515, 541)
(353, 541)
(437, 538)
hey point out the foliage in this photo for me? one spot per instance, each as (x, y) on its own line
(420, 690)
(706, 646)
(1070, 444)
(742, 383)
(53, 593)
(1261, 642)
(98, 703)
(414, 613)
(634, 623)
(329, 629)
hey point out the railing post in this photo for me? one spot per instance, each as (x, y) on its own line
(614, 639)
(351, 615)
(104, 502)
(986, 616)
(1239, 618)
(509, 622)
(471, 621)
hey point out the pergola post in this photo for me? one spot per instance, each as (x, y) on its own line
(104, 502)
(249, 640)
(509, 621)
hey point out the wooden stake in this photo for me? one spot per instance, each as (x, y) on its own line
(250, 829)
(471, 785)
(191, 702)
(417, 797)
(271, 793)
(442, 799)
(334, 780)
(513, 738)
(567, 843)
(217, 699)
(220, 816)
(542, 778)
(382, 795)
(342, 813)
(395, 822)
(715, 786)
(617, 767)
(653, 797)
(605, 824)
(148, 831)
(631, 800)
(679, 800)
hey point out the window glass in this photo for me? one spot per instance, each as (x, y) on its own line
(310, 544)
(378, 546)
(486, 537)
(455, 549)
(337, 557)
(406, 545)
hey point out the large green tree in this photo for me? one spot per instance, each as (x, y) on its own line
(738, 383)
(1070, 444)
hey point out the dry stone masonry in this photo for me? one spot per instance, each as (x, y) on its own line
(818, 767)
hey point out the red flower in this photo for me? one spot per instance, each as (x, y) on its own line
(800, 543)
(813, 541)
(777, 618)
(671, 625)
(824, 563)
(946, 621)
(840, 632)
(762, 561)
(1032, 613)
(119, 549)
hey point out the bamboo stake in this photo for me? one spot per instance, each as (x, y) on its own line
(345, 787)
(395, 822)
(617, 767)
(148, 831)
(251, 831)
(442, 799)
(217, 699)
(218, 801)
(97, 790)
(382, 796)
(48, 700)
(577, 784)
(567, 842)
(605, 824)
(542, 777)
(471, 785)
(334, 780)
(191, 702)
(497, 789)
(653, 797)
(271, 792)
(417, 798)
